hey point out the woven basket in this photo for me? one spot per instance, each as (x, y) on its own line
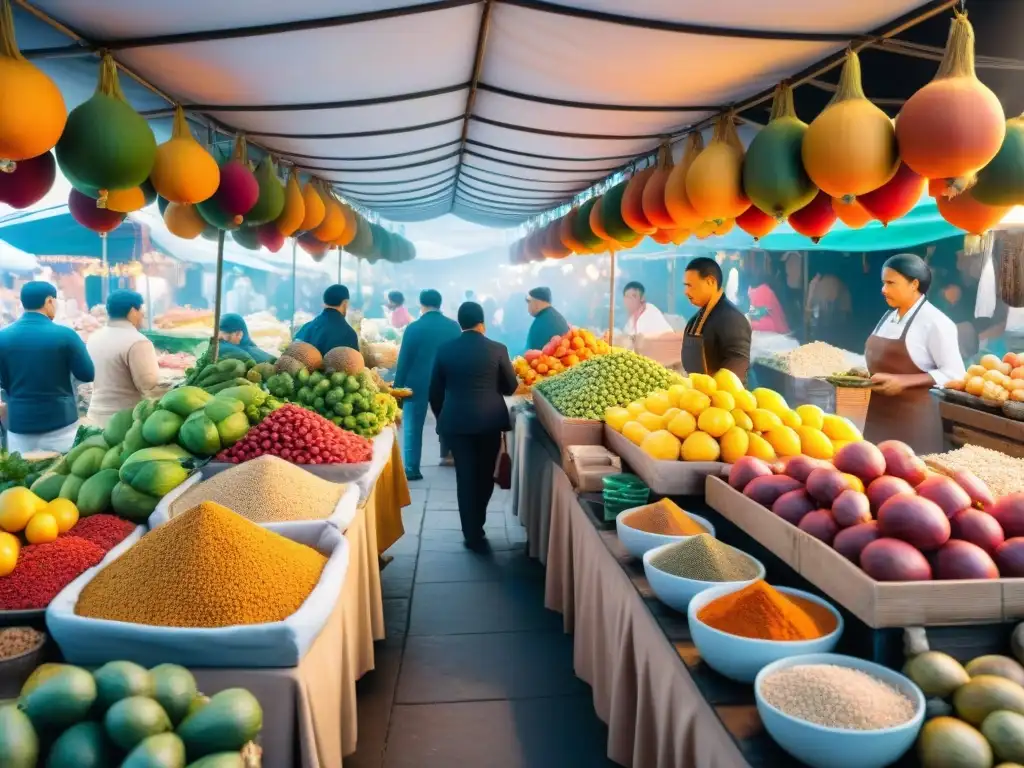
(852, 403)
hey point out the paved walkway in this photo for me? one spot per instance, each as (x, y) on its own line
(475, 672)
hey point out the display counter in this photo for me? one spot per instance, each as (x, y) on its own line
(989, 429)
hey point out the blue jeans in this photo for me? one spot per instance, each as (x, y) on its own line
(414, 415)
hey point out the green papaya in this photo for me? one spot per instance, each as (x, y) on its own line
(221, 407)
(112, 458)
(19, 745)
(118, 680)
(161, 428)
(220, 760)
(133, 719)
(247, 393)
(132, 505)
(61, 467)
(156, 478)
(247, 237)
(88, 462)
(48, 486)
(232, 429)
(118, 426)
(199, 435)
(185, 400)
(143, 409)
(133, 441)
(216, 389)
(70, 487)
(231, 718)
(96, 441)
(83, 745)
(94, 494)
(61, 700)
(170, 452)
(174, 689)
(165, 750)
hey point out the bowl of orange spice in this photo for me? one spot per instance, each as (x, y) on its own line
(641, 529)
(740, 629)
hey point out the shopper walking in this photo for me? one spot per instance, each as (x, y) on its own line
(472, 376)
(125, 360)
(416, 359)
(330, 329)
(38, 359)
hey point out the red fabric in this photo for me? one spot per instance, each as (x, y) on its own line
(775, 321)
(400, 317)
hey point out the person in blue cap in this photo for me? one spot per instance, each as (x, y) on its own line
(547, 321)
(125, 360)
(330, 329)
(234, 338)
(416, 357)
(38, 359)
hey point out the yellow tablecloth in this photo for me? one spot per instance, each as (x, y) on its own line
(389, 495)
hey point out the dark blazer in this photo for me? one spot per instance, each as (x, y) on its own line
(328, 330)
(547, 324)
(726, 338)
(471, 376)
(420, 343)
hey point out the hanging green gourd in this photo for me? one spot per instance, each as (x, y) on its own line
(238, 191)
(773, 170)
(582, 230)
(32, 110)
(106, 144)
(184, 171)
(270, 202)
(611, 215)
(381, 244)
(215, 215)
(1001, 182)
(362, 243)
(247, 237)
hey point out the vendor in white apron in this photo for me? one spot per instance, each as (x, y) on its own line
(644, 319)
(912, 349)
(718, 336)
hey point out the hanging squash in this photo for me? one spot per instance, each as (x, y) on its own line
(247, 237)
(954, 126)
(349, 231)
(183, 221)
(968, 214)
(29, 181)
(756, 222)
(565, 233)
(677, 202)
(83, 210)
(815, 219)
(32, 109)
(333, 224)
(238, 190)
(362, 243)
(129, 200)
(270, 201)
(611, 215)
(678, 236)
(662, 236)
(724, 227)
(314, 209)
(596, 224)
(1001, 182)
(183, 171)
(215, 215)
(896, 198)
(552, 243)
(653, 198)
(633, 203)
(714, 183)
(852, 213)
(850, 148)
(773, 171)
(106, 144)
(270, 236)
(582, 231)
(294, 210)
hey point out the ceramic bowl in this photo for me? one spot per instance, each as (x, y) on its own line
(639, 542)
(677, 591)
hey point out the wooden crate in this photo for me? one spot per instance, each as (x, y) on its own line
(565, 431)
(962, 425)
(664, 478)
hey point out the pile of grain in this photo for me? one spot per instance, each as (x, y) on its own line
(814, 359)
(837, 697)
(208, 567)
(266, 489)
(705, 558)
(1001, 473)
(14, 641)
(663, 517)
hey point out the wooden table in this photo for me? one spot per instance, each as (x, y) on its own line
(963, 425)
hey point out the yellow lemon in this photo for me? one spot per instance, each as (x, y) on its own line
(770, 400)
(41, 529)
(745, 401)
(676, 391)
(635, 409)
(661, 445)
(9, 549)
(64, 512)
(735, 444)
(17, 505)
(727, 381)
(723, 400)
(700, 446)
(658, 403)
(814, 443)
(760, 448)
(811, 415)
(791, 418)
(683, 425)
(838, 428)
(715, 421)
(649, 420)
(703, 383)
(764, 420)
(616, 417)
(784, 440)
(635, 432)
(667, 416)
(742, 420)
(694, 402)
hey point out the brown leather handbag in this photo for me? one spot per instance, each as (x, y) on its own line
(503, 467)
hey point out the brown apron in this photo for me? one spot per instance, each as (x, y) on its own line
(694, 359)
(912, 416)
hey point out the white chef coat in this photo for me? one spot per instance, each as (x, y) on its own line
(650, 322)
(931, 341)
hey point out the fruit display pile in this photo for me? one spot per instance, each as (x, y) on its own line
(994, 379)
(704, 418)
(301, 437)
(123, 714)
(575, 347)
(586, 390)
(883, 509)
(27, 519)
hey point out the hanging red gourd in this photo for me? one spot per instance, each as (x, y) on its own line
(653, 200)
(183, 171)
(677, 202)
(954, 126)
(184, 221)
(896, 198)
(852, 213)
(315, 248)
(294, 210)
(815, 219)
(270, 236)
(632, 203)
(850, 148)
(756, 222)
(1001, 182)
(773, 171)
(28, 182)
(714, 182)
(238, 190)
(83, 210)
(968, 214)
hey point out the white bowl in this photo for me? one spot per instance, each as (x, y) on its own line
(639, 542)
(742, 658)
(822, 747)
(677, 591)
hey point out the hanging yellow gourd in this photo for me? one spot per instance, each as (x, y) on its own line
(676, 200)
(184, 221)
(314, 208)
(333, 224)
(32, 109)
(349, 233)
(125, 200)
(294, 210)
(714, 183)
(850, 148)
(184, 172)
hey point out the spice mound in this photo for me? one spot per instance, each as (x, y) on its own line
(705, 558)
(43, 570)
(761, 612)
(105, 531)
(837, 697)
(208, 567)
(664, 517)
(14, 641)
(266, 490)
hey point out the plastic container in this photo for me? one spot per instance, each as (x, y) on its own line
(677, 591)
(14, 671)
(639, 542)
(621, 492)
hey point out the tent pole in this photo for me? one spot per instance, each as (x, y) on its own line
(611, 299)
(340, 254)
(105, 285)
(295, 256)
(215, 341)
(149, 306)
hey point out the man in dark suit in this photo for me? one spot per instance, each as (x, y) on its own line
(471, 377)
(330, 329)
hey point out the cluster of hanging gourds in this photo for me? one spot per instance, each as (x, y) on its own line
(852, 163)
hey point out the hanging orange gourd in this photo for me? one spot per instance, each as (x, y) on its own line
(333, 223)
(294, 211)
(184, 172)
(850, 148)
(128, 200)
(551, 245)
(596, 222)
(632, 203)
(653, 200)
(184, 221)
(852, 213)
(314, 210)
(566, 236)
(896, 198)
(714, 182)
(704, 230)
(968, 214)
(32, 109)
(677, 202)
(815, 219)
(349, 233)
(756, 222)
(954, 126)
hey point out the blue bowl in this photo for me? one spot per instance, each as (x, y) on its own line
(677, 591)
(640, 542)
(823, 747)
(742, 658)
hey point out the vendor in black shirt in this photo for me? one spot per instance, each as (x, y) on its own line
(718, 336)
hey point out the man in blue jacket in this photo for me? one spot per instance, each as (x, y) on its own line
(547, 321)
(37, 360)
(420, 343)
(330, 329)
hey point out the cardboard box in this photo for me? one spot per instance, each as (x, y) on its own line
(565, 431)
(877, 603)
(664, 478)
(587, 465)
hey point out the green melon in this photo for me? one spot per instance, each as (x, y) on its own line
(581, 225)
(1001, 182)
(362, 243)
(247, 238)
(382, 245)
(214, 215)
(271, 200)
(611, 215)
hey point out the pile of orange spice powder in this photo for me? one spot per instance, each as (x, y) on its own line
(760, 612)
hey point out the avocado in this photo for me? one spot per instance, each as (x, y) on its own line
(220, 760)
(118, 680)
(164, 750)
(19, 745)
(84, 745)
(131, 720)
(61, 700)
(174, 688)
(231, 718)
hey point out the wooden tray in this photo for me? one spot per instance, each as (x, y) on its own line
(878, 604)
(664, 478)
(565, 431)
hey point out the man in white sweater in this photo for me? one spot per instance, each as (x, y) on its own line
(125, 360)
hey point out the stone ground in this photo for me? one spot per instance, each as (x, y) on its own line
(475, 672)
